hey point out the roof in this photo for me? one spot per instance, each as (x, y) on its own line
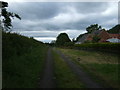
(83, 38)
(114, 40)
(103, 36)
(114, 36)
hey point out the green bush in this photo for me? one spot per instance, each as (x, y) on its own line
(22, 61)
(109, 47)
(69, 44)
(15, 44)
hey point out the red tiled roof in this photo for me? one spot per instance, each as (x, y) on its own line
(89, 37)
(114, 36)
(104, 35)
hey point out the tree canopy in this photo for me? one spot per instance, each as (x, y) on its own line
(62, 39)
(95, 39)
(7, 16)
(115, 29)
(92, 28)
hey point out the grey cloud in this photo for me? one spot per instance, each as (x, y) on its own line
(87, 7)
(42, 10)
(58, 16)
(35, 10)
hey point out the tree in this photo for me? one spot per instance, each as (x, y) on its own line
(62, 39)
(7, 16)
(52, 43)
(115, 29)
(73, 40)
(96, 39)
(93, 27)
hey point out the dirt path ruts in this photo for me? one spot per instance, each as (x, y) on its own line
(47, 80)
(82, 76)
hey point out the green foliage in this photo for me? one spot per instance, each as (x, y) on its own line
(52, 43)
(3, 4)
(73, 40)
(92, 28)
(23, 71)
(115, 29)
(22, 61)
(62, 39)
(14, 44)
(7, 16)
(69, 44)
(95, 39)
(102, 67)
(107, 47)
(64, 76)
(87, 41)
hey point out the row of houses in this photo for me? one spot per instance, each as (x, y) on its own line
(102, 34)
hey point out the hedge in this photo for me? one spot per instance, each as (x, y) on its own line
(107, 47)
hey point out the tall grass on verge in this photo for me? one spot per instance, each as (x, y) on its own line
(23, 60)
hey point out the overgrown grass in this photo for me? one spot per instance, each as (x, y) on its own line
(23, 66)
(103, 67)
(64, 76)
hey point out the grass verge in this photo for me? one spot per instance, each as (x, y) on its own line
(23, 71)
(64, 76)
(101, 66)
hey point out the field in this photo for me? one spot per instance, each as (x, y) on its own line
(103, 67)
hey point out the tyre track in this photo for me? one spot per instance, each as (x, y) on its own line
(82, 76)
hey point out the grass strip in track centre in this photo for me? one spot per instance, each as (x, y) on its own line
(23, 71)
(102, 67)
(65, 78)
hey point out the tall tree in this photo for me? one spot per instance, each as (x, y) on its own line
(7, 16)
(62, 39)
(93, 28)
(115, 29)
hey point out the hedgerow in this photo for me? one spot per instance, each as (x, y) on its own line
(108, 47)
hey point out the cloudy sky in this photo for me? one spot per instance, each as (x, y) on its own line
(45, 20)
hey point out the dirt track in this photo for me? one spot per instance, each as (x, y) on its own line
(47, 80)
(82, 76)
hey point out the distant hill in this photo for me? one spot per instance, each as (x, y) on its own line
(115, 29)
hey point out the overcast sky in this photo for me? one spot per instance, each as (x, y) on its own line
(45, 20)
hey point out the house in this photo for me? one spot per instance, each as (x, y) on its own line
(113, 40)
(114, 36)
(104, 37)
(100, 33)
